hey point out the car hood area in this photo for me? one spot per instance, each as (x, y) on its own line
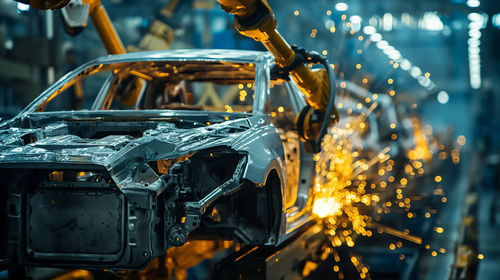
(125, 144)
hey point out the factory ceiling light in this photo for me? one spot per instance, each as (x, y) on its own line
(341, 7)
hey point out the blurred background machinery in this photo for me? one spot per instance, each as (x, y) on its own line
(431, 65)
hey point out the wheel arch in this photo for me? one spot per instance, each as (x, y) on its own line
(276, 201)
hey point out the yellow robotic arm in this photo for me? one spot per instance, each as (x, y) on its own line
(255, 19)
(105, 27)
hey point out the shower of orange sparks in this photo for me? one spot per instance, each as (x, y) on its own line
(340, 187)
(341, 196)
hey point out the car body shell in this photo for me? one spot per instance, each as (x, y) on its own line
(47, 140)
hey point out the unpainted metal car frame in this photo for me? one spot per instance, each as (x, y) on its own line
(79, 189)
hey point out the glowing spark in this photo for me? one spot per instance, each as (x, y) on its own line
(395, 232)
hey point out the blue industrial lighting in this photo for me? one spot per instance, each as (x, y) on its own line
(23, 8)
(369, 30)
(443, 97)
(375, 37)
(473, 3)
(355, 19)
(341, 7)
(495, 20)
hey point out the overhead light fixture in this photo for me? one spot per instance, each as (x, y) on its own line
(355, 23)
(443, 97)
(382, 44)
(405, 64)
(387, 22)
(432, 21)
(415, 72)
(23, 8)
(369, 30)
(375, 37)
(473, 3)
(477, 22)
(495, 20)
(395, 55)
(341, 7)
(355, 19)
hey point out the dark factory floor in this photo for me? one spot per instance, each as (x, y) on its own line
(439, 266)
(488, 238)
(474, 196)
(438, 257)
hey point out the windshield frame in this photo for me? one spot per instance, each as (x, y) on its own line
(262, 63)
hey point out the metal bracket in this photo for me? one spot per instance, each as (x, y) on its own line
(194, 209)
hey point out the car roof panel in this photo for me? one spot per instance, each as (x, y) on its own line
(188, 55)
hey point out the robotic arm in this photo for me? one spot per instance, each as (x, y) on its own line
(76, 12)
(105, 27)
(255, 19)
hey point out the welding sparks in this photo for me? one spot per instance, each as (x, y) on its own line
(341, 185)
(357, 181)
(326, 206)
(352, 182)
